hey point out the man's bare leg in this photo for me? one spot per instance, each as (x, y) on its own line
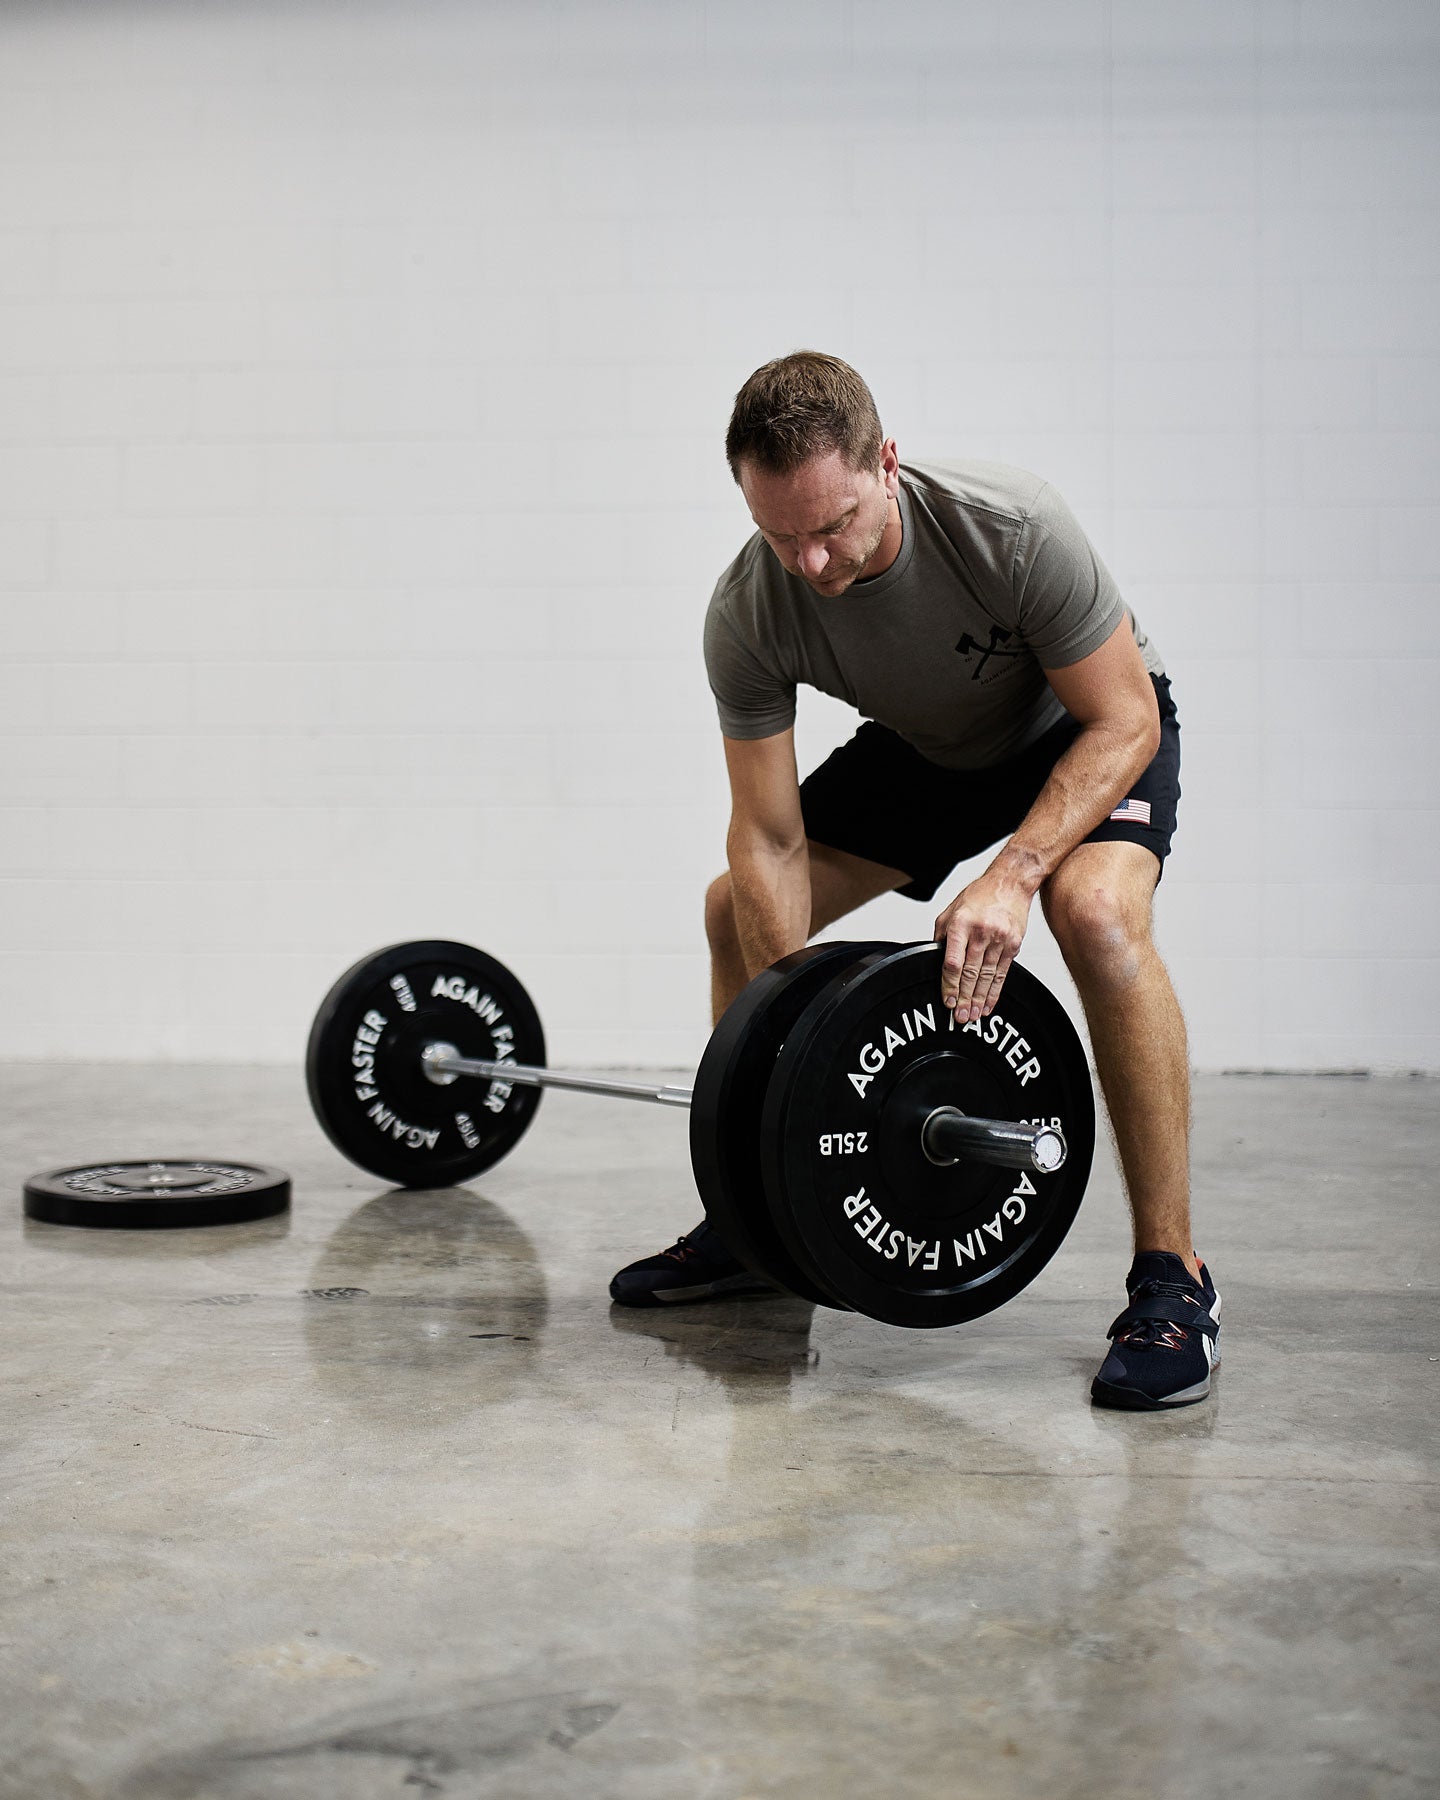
(1098, 903)
(839, 883)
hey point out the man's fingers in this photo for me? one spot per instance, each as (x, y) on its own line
(964, 958)
(973, 973)
(993, 970)
(981, 935)
(951, 966)
(973, 976)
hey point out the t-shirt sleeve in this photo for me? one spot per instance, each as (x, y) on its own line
(752, 700)
(1067, 603)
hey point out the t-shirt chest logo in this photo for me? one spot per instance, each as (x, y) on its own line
(992, 657)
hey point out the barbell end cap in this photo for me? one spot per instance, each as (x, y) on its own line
(433, 1059)
(1050, 1150)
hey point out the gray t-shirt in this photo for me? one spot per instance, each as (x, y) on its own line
(995, 583)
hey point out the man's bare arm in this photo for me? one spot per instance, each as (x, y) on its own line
(769, 863)
(1110, 693)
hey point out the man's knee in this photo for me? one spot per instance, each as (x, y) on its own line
(720, 914)
(1101, 920)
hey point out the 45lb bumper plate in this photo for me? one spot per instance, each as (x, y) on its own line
(367, 1081)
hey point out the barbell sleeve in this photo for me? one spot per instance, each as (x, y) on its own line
(949, 1135)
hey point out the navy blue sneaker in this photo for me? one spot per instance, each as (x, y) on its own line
(1167, 1340)
(696, 1267)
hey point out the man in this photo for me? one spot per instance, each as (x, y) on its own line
(1010, 699)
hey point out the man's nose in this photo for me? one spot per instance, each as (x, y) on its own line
(812, 558)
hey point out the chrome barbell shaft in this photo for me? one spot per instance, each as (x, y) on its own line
(948, 1135)
(444, 1063)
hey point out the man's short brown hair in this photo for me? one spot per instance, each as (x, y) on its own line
(799, 406)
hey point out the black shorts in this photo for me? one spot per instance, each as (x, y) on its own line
(878, 798)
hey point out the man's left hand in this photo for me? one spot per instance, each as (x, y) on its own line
(981, 929)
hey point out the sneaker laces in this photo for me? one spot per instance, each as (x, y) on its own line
(681, 1248)
(1146, 1334)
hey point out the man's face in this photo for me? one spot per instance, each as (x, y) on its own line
(826, 521)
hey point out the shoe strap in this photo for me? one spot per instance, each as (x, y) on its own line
(1172, 1309)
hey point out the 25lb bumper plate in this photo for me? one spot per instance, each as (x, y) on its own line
(151, 1195)
(858, 1202)
(729, 1100)
(367, 1081)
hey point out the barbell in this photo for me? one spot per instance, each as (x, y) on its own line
(850, 1141)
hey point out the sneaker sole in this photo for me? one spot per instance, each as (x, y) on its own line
(705, 1290)
(1132, 1400)
(710, 1290)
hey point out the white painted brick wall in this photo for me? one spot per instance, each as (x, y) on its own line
(363, 373)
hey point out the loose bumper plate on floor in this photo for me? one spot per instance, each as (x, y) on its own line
(368, 1083)
(154, 1195)
(859, 1205)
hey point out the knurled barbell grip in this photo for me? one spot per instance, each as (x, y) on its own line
(948, 1135)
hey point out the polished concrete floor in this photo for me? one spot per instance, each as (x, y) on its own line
(384, 1499)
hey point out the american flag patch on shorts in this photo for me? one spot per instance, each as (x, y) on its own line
(1132, 812)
